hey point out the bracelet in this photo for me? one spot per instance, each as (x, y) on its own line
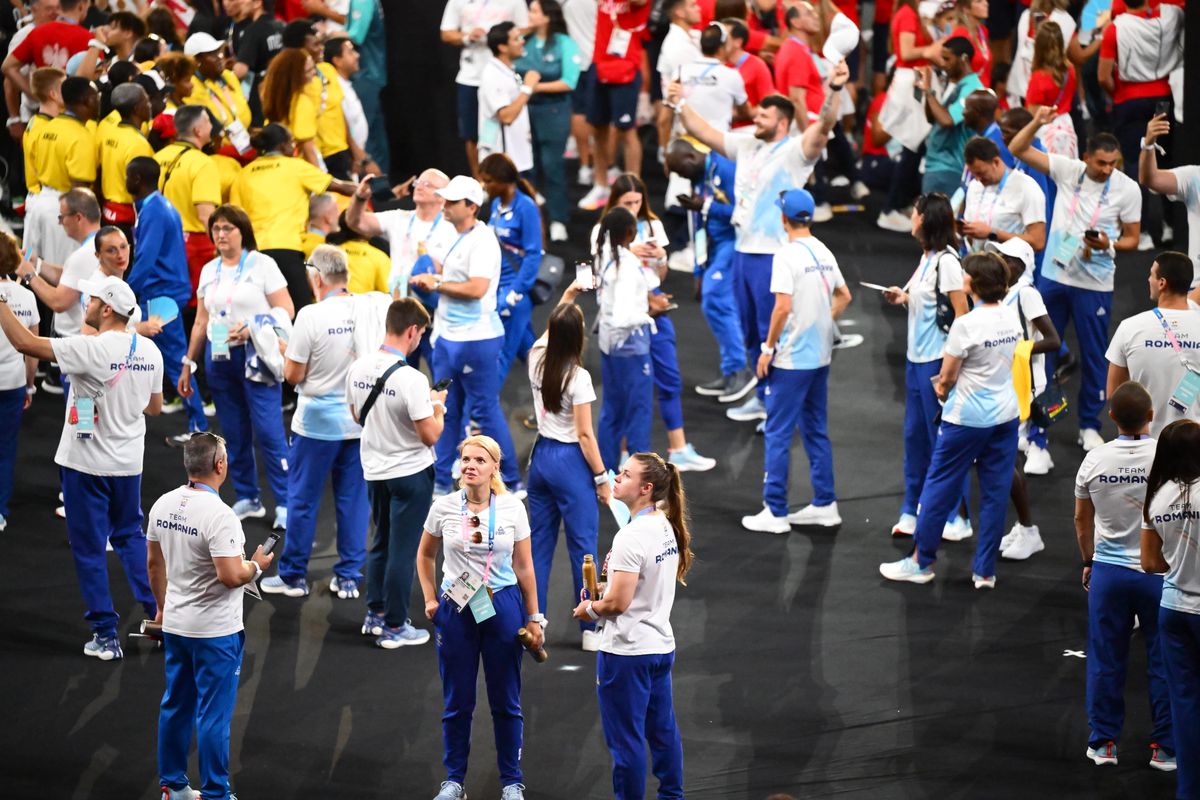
(539, 618)
(14, 121)
(257, 570)
(600, 478)
(1151, 146)
(526, 90)
(439, 404)
(837, 88)
(591, 613)
(766, 351)
(1087, 564)
(187, 362)
(31, 390)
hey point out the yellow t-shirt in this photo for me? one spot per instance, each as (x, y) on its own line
(64, 153)
(302, 118)
(229, 169)
(28, 143)
(370, 267)
(309, 240)
(119, 144)
(223, 97)
(188, 177)
(274, 191)
(326, 92)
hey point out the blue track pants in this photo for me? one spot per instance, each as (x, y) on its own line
(1090, 311)
(719, 305)
(1179, 638)
(636, 709)
(752, 288)
(625, 412)
(310, 463)
(797, 398)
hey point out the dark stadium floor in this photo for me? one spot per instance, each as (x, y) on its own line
(798, 668)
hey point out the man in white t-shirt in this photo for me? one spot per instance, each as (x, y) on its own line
(504, 97)
(1000, 203)
(680, 47)
(1160, 348)
(713, 89)
(58, 286)
(1181, 183)
(324, 435)
(401, 420)
(116, 377)
(1097, 211)
(197, 566)
(468, 334)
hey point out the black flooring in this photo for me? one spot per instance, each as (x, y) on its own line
(798, 669)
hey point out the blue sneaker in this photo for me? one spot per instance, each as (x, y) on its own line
(750, 411)
(373, 624)
(451, 791)
(343, 588)
(688, 460)
(280, 523)
(406, 634)
(906, 569)
(514, 791)
(105, 648)
(277, 585)
(245, 509)
(1160, 759)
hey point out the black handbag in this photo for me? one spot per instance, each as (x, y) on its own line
(1046, 408)
(944, 316)
(549, 277)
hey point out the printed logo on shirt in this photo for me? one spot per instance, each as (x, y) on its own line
(339, 331)
(370, 385)
(1002, 341)
(1177, 512)
(1124, 475)
(1184, 343)
(139, 364)
(177, 527)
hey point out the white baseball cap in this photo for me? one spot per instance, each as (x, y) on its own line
(113, 292)
(1017, 248)
(463, 187)
(200, 43)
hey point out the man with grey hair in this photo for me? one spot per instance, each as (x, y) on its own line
(197, 567)
(322, 221)
(324, 435)
(119, 144)
(58, 286)
(190, 182)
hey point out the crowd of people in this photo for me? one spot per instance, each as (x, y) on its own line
(206, 199)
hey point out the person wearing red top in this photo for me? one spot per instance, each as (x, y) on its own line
(754, 71)
(1052, 83)
(796, 75)
(49, 45)
(911, 42)
(766, 25)
(971, 17)
(876, 169)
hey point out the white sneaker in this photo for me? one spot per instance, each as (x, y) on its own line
(682, 260)
(1090, 439)
(957, 529)
(1037, 460)
(585, 176)
(821, 516)
(591, 641)
(614, 172)
(750, 411)
(766, 522)
(894, 221)
(822, 213)
(859, 190)
(982, 582)
(838, 181)
(905, 526)
(1168, 234)
(571, 149)
(906, 569)
(1023, 437)
(1145, 243)
(1011, 537)
(595, 199)
(1028, 542)
(558, 232)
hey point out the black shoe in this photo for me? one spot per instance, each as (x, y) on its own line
(529, 423)
(714, 388)
(738, 385)
(1066, 365)
(179, 440)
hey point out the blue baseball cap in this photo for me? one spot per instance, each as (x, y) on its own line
(796, 204)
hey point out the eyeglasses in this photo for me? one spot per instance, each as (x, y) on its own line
(223, 229)
(61, 217)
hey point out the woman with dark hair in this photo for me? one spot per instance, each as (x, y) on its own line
(234, 288)
(979, 426)
(160, 23)
(16, 371)
(935, 288)
(177, 70)
(566, 474)
(515, 219)
(285, 101)
(1171, 545)
(971, 16)
(649, 245)
(553, 54)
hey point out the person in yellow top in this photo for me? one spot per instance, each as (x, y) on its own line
(219, 89)
(120, 144)
(323, 214)
(46, 84)
(191, 182)
(64, 156)
(286, 101)
(229, 168)
(370, 267)
(332, 139)
(274, 190)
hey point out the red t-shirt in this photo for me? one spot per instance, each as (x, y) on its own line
(1129, 90)
(757, 77)
(1043, 91)
(52, 44)
(907, 21)
(628, 17)
(794, 66)
(883, 11)
(1119, 7)
(868, 148)
(758, 33)
(849, 8)
(981, 64)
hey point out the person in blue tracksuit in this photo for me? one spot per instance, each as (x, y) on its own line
(624, 338)
(938, 273)
(468, 334)
(1170, 529)
(979, 426)
(566, 474)
(325, 438)
(810, 293)
(712, 203)
(1109, 489)
(637, 647)
(515, 219)
(237, 285)
(487, 593)
(160, 270)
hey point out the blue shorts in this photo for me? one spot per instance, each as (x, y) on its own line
(614, 104)
(879, 47)
(468, 112)
(581, 98)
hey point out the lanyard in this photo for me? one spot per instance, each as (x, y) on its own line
(1126, 438)
(491, 540)
(707, 70)
(996, 198)
(461, 236)
(120, 373)
(413, 218)
(642, 512)
(817, 264)
(228, 103)
(741, 61)
(759, 163)
(386, 348)
(237, 278)
(1171, 338)
(332, 292)
(202, 486)
(924, 269)
(1099, 205)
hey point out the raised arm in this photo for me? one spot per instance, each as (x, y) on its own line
(693, 123)
(1149, 175)
(1022, 147)
(813, 140)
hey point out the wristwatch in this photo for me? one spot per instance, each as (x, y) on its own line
(257, 570)
(540, 619)
(992, 237)
(600, 478)
(766, 351)
(187, 362)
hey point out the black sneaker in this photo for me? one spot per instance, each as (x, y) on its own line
(52, 383)
(714, 388)
(738, 385)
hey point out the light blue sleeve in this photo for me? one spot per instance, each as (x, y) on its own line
(570, 59)
(359, 18)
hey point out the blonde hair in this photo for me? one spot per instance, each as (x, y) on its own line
(44, 81)
(668, 490)
(492, 448)
(1048, 52)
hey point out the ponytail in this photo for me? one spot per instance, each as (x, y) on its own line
(668, 488)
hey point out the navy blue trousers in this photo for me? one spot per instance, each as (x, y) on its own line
(718, 303)
(625, 412)
(310, 463)
(797, 398)
(474, 366)
(1179, 638)
(636, 709)
(399, 507)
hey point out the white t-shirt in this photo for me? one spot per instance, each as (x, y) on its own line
(985, 339)
(407, 235)
(24, 304)
(117, 446)
(1076, 212)
(680, 47)
(1026, 300)
(499, 86)
(356, 119)
(647, 229)
(764, 169)
(194, 526)
(1113, 477)
(1011, 205)
(624, 305)
(474, 254)
(1188, 181)
(936, 271)
(1141, 346)
(1175, 517)
(808, 271)
(647, 547)
(561, 426)
(461, 554)
(713, 90)
(79, 266)
(468, 15)
(581, 26)
(389, 445)
(244, 297)
(323, 338)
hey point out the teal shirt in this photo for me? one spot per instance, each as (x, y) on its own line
(557, 58)
(364, 26)
(944, 148)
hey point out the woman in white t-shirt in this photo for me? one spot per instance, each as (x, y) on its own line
(487, 593)
(979, 426)
(16, 372)
(234, 288)
(566, 474)
(637, 648)
(1171, 545)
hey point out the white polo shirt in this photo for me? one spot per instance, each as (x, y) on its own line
(474, 254)
(240, 291)
(79, 266)
(323, 338)
(390, 446)
(462, 554)
(499, 86)
(1141, 346)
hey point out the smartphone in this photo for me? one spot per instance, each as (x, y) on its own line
(1091, 234)
(670, 307)
(585, 278)
(280, 332)
(1162, 108)
(270, 543)
(443, 384)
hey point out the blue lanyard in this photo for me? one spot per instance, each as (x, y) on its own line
(461, 236)
(642, 512)
(710, 68)
(394, 351)
(741, 60)
(332, 292)
(204, 486)
(1126, 438)
(413, 218)
(925, 267)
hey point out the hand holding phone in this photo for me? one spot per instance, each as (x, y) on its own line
(443, 384)
(270, 543)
